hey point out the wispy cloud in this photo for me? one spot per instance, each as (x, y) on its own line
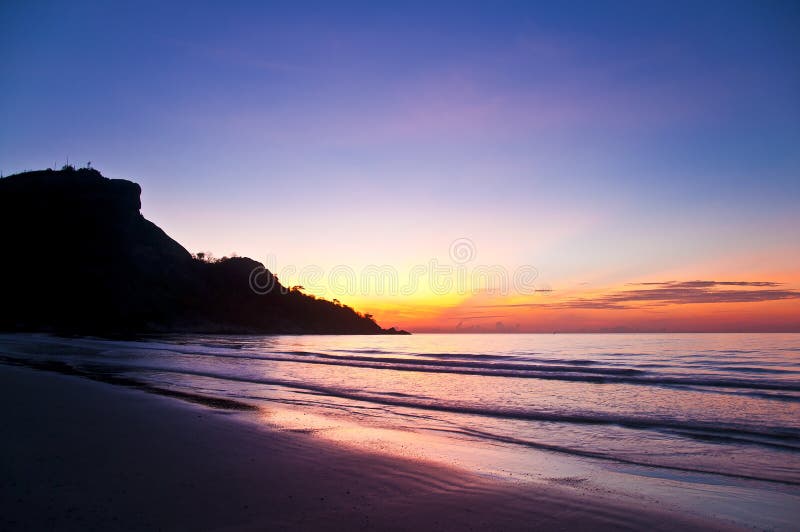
(674, 293)
(478, 317)
(705, 284)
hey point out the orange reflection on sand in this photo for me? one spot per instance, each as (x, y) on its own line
(427, 446)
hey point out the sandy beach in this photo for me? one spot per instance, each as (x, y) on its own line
(84, 455)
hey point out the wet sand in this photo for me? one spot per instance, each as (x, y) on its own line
(77, 454)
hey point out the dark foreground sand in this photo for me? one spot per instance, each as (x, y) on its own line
(77, 454)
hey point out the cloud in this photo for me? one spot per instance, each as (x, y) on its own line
(479, 317)
(705, 284)
(676, 293)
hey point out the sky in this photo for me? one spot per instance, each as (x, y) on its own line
(444, 166)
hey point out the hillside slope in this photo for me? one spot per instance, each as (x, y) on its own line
(80, 258)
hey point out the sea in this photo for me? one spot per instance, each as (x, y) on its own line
(709, 423)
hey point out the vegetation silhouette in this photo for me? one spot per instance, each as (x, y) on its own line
(81, 259)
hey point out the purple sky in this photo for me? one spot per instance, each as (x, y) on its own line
(603, 143)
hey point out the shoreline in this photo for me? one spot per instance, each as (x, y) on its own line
(82, 454)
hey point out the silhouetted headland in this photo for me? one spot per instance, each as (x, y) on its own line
(80, 258)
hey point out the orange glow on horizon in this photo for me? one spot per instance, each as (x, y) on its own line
(544, 313)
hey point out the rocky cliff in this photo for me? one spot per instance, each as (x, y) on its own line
(80, 258)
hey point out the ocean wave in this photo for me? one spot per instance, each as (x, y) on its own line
(783, 437)
(588, 373)
(468, 364)
(499, 438)
(598, 375)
